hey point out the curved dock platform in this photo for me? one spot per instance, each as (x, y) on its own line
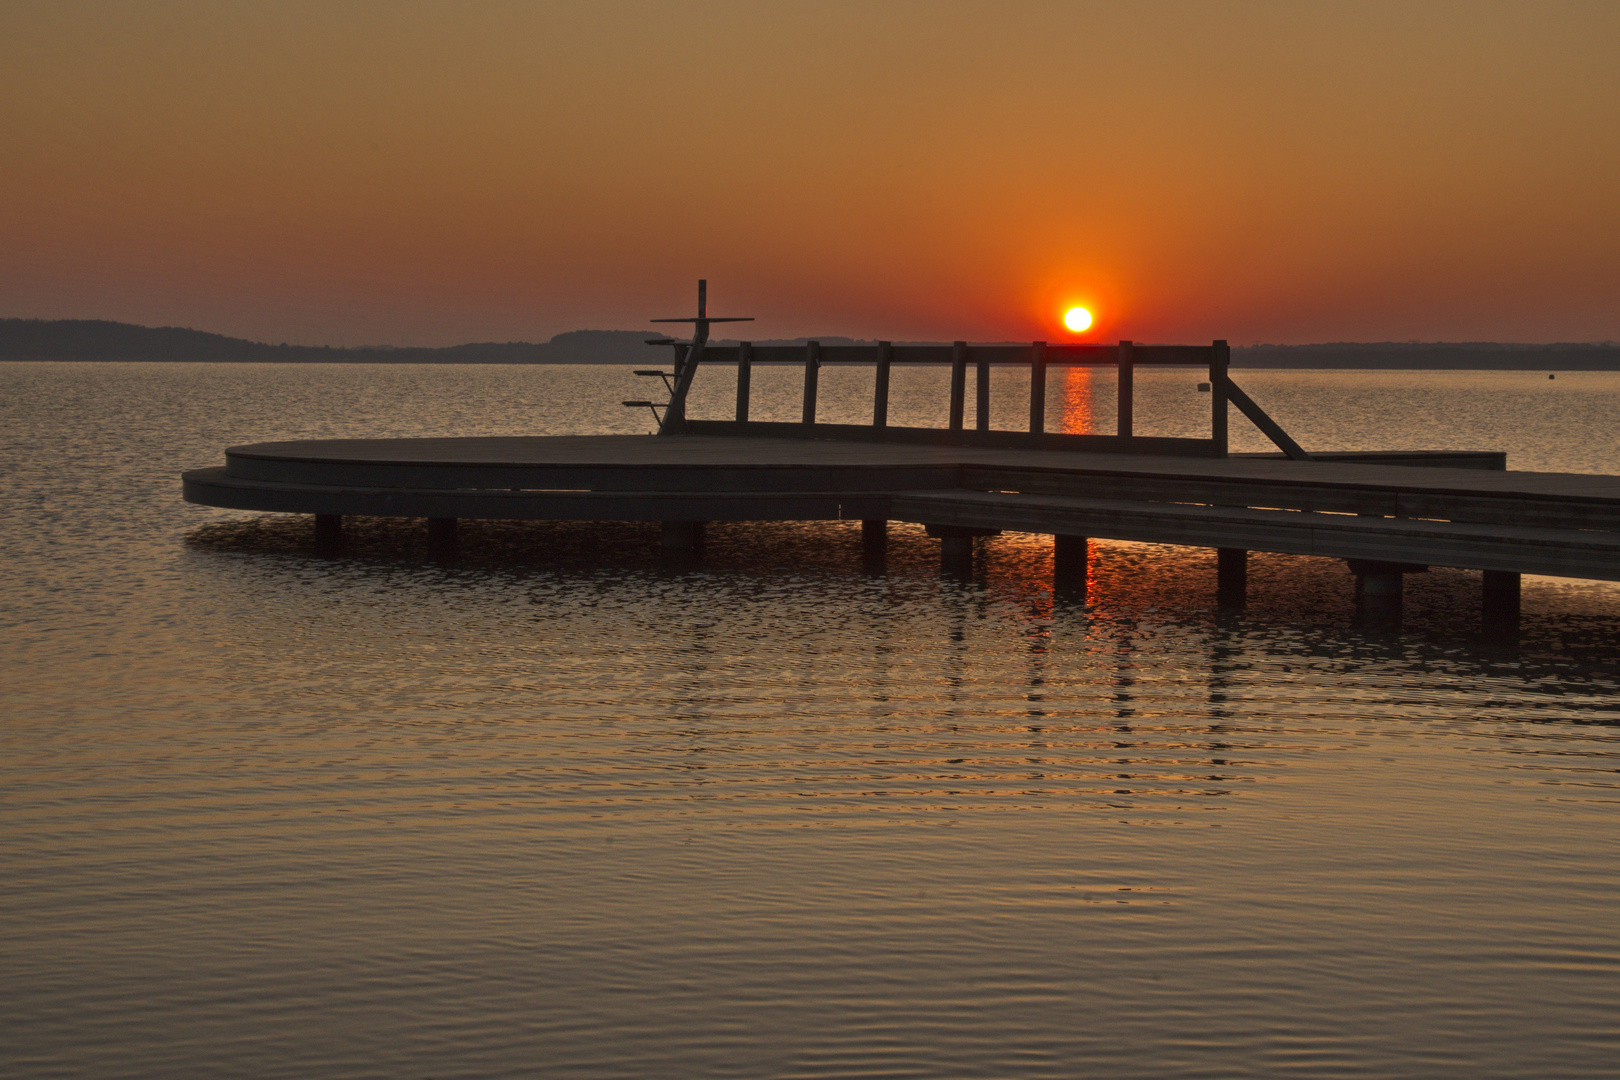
(573, 478)
(1385, 519)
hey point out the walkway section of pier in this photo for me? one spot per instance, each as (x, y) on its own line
(1384, 519)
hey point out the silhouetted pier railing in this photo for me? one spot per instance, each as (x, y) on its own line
(1037, 356)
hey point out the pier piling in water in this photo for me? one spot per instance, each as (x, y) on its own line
(874, 546)
(956, 544)
(1380, 589)
(1231, 577)
(1071, 565)
(874, 537)
(1500, 608)
(683, 535)
(442, 535)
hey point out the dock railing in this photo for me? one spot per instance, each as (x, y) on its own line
(1038, 356)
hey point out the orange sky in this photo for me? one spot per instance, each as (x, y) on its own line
(433, 173)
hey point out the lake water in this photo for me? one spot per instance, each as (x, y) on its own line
(558, 808)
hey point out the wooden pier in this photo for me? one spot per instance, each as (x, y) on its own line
(1387, 519)
(1386, 514)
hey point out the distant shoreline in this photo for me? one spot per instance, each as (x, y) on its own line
(99, 341)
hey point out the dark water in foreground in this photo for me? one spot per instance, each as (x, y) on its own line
(558, 808)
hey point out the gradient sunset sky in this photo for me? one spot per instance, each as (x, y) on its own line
(432, 173)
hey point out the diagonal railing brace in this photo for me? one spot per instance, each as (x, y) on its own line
(1264, 422)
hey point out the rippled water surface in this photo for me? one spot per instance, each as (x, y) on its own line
(556, 807)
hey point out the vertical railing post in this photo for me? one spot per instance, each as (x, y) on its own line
(1220, 357)
(880, 389)
(958, 384)
(745, 378)
(1127, 388)
(981, 395)
(1037, 387)
(812, 375)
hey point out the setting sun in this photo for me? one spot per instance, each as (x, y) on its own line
(1077, 319)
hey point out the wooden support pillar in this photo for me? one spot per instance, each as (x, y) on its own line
(981, 396)
(1379, 596)
(958, 385)
(1231, 577)
(812, 377)
(683, 535)
(745, 377)
(1220, 358)
(1500, 610)
(328, 528)
(880, 389)
(874, 538)
(1127, 387)
(1037, 387)
(956, 545)
(1071, 565)
(1379, 590)
(442, 535)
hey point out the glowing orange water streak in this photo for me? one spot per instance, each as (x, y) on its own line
(1075, 398)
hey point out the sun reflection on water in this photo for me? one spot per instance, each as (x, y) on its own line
(1075, 396)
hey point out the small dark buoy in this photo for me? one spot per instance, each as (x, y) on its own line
(1552, 376)
(1203, 388)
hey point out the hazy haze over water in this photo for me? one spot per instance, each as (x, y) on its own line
(559, 808)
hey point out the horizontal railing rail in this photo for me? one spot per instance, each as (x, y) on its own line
(1056, 355)
(998, 440)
